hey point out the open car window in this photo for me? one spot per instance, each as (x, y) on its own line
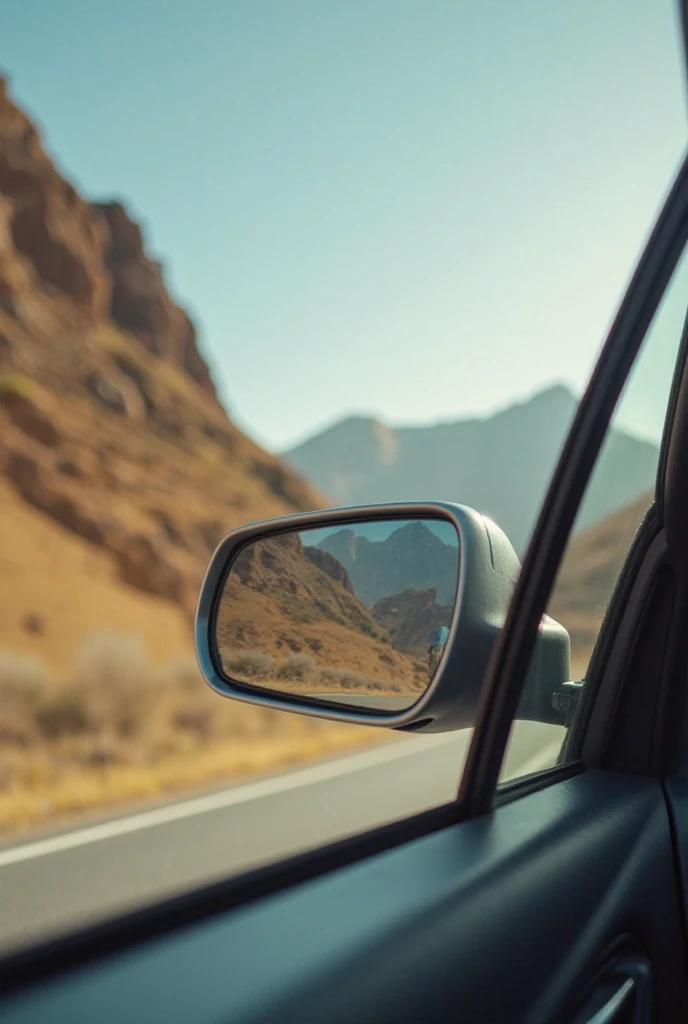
(350, 253)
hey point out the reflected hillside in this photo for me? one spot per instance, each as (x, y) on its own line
(290, 617)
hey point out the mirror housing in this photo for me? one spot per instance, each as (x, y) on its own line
(488, 569)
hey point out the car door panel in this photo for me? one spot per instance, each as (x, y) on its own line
(506, 917)
(677, 800)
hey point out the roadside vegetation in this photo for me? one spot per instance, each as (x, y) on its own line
(120, 729)
(300, 672)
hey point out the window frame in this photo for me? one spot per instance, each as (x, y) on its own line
(506, 673)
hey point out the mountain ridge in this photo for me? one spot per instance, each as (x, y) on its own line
(411, 558)
(499, 464)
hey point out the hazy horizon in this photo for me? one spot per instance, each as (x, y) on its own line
(650, 436)
(422, 212)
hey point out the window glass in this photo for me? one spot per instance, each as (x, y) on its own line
(256, 258)
(620, 491)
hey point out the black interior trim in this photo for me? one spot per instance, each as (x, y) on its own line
(670, 751)
(640, 551)
(676, 792)
(633, 728)
(513, 651)
(614, 661)
(515, 789)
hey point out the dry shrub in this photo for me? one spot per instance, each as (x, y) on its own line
(297, 666)
(249, 664)
(62, 714)
(184, 674)
(24, 683)
(120, 727)
(23, 678)
(115, 683)
(344, 678)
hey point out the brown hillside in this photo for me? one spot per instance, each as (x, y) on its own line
(109, 419)
(410, 617)
(283, 619)
(588, 575)
(79, 593)
(119, 472)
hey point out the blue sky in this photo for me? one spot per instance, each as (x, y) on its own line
(419, 209)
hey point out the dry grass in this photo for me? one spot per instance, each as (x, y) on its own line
(101, 702)
(121, 729)
(69, 588)
(250, 621)
(300, 673)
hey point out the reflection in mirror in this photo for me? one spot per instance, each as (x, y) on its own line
(356, 613)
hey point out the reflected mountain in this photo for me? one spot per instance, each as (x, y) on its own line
(411, 558)
(410, 617)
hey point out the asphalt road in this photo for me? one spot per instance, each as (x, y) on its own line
(57, 882)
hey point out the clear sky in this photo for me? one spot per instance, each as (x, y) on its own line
(419, 209)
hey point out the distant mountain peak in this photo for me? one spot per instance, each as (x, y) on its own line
(500, 464)
(556, 395)
(364, 426)
(558, 391)
(412, 556)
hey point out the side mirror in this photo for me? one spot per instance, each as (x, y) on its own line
(382, 615)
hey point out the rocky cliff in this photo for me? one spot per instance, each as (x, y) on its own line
(110, 423)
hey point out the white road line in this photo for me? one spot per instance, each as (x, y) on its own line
(227, 798)
(252, 791)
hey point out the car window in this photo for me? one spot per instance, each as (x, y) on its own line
(620, 490)
(278, 257)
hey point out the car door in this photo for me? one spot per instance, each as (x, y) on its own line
(557, 893)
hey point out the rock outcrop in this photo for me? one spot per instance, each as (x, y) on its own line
(109, 418)
(409, 618)
(54, 241)
(140, 302)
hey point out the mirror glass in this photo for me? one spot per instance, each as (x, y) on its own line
(356, 613)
